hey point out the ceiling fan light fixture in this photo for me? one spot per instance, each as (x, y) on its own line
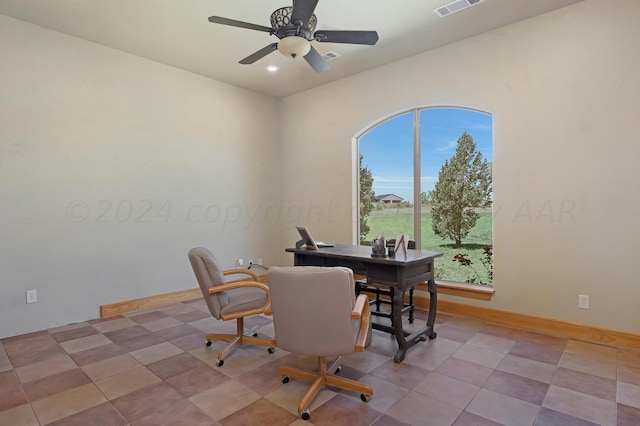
(294, 46)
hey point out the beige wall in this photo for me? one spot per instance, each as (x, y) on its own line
(563, 89)
(80, 122)
(97, 147)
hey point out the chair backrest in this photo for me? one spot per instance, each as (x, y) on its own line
(209, 274)
(312, 309)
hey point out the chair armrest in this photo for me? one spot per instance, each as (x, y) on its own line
(239, 284)
(361, 312)
(243, 284)
(358, 307)
(243, 272)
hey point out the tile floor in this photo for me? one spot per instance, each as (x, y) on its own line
(152, 368)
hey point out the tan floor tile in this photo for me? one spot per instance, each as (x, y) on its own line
(580, 405)
(126, 382)
(629, 394)
(447, 389)
(475, 374)
(21, 415)
(536, 370)
(84, 343)
(465, 323)
(629, 374)
(364, 361)
(100, 415)
(5, 363)
(263, 409)
(156, 352)
(180, 413)
(629, 357)
(478, 355)
(597, 367)
(503, 409)
(414, 408)
(161, 324)
(68, 327)
(56, 383)
(494, 343)
(110, 367)
(289, 396)
(66, 403)
(223, 400)
(425, 357)
(113, 325)
(592, 350)
(145, 401)
(385, 394)
(41, 369)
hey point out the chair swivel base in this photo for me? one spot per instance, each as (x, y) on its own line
(240, 338)
(321, 378)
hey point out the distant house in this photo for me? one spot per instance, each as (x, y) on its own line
(389, 198)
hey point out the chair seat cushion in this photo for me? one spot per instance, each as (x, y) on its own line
(243, 299)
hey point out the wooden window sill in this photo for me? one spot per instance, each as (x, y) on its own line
(472, 291)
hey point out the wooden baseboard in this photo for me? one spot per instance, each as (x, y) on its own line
(568, 330)
(114, 309)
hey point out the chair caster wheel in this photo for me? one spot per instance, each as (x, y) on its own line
(220, 362)
(271, 350)
(255, 334)
(365, 398)
(338, 369)
(433, 335)
(208, 343)
(284, 379)
(306, 415)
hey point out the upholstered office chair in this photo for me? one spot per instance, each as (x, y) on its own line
(314, 309)
(379, 291)
(230, 300)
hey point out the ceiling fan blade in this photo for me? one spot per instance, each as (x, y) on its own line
(302, 11)
(316, 61)
(259, 54)
(234, 23)
(350, 37)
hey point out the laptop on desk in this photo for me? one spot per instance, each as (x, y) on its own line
(308, 240)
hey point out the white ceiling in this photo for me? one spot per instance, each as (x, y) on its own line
(177, 33)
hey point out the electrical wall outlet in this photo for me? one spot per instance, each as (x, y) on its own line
(32, 296)
(583, 301)
(260, 261)
(239, 263)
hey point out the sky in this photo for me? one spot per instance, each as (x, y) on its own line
(387, 148)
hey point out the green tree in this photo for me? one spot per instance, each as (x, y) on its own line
(367, 198)
(464, 184)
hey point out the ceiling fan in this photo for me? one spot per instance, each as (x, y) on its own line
(294, 27)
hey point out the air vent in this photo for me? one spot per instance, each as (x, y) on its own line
(455, 6)
(330, 56)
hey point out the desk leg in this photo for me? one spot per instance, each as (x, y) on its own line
(404, 339)
(433, 306)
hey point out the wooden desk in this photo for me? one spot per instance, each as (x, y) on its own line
(401, 273)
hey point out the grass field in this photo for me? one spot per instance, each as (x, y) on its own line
(396, 221)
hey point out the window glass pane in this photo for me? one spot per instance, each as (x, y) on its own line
(455, 187)
(463, 222)
(387, 153)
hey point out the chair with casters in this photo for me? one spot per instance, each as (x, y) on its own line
(229, 300)
(316, 312)
(378, 291)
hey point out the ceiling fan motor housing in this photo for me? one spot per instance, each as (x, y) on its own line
(283, 27)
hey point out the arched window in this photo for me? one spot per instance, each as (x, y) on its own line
(426, 173)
